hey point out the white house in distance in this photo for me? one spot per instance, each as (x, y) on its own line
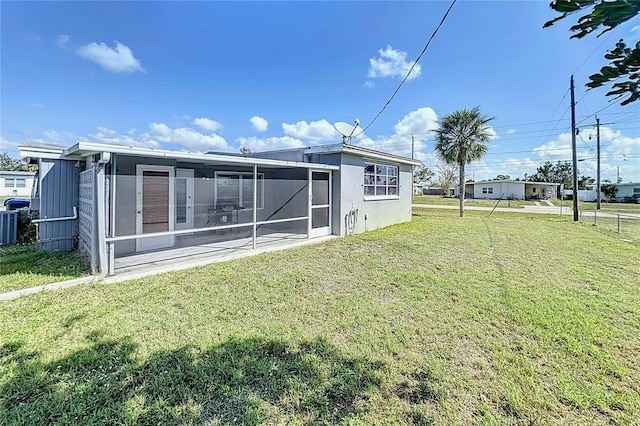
(628, 189)
(510, 189)
(16, 184)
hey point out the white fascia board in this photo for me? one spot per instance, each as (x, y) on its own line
(83, 149)
(363, 152)
(28, 153)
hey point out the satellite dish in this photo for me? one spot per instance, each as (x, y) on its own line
(346, 129)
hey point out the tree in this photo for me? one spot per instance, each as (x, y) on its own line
(462, 137)
(446, 179)
(561, 172)
(245, 150)
(585, 181)
(625, 61)
(502, 177)
(11, 164)
(610, 190)
(422, 175)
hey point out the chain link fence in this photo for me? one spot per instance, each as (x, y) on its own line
(625, 224)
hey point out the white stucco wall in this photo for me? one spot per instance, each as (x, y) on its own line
(626, 189)
(500, 189)
(350, 205)
(13, 190)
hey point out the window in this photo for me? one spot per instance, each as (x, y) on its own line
(487, 190)
(636, 191)
(533, 189)
(236, 190)
(380, 180)
(20, 183)
(9, 183)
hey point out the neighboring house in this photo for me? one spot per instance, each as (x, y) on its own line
(629, 189)
(115, 201)
(16, 184)
(510, 189)
(589, 195)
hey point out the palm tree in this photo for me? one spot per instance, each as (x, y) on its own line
(461, 137)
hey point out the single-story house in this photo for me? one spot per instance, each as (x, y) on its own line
(628, 189)
(16, 184)
(115, 201)
(510, 189)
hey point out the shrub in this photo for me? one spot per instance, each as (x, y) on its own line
(26, 229)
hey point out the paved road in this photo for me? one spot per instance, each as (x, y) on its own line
(566, 211)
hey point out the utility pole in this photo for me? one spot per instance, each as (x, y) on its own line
(413, 144)
(574, 154)
(598, 166)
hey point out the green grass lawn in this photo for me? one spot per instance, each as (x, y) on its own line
(508, 319)
(23, 266)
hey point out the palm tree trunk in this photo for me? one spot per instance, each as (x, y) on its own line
(462, 185)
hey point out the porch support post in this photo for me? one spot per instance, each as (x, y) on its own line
(112, 227)
(255, 205)
(101, 222)
(309, 202)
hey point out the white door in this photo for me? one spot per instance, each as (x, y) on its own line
(184, 199)
(320, 203)
(155, 211)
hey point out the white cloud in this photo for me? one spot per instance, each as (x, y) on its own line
(186, 138)
(10, 147)
(419, 122)
(64, 138)
(259, 123)
(62, 40)
(207, 125)
(35, 106)
(119, 59)
(111, 137)
(369, 84)
(316, 131)
(267, 144)
(392, 63)
(164, 137)
(511, 131)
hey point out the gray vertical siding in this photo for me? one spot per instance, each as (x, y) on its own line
(59, 183)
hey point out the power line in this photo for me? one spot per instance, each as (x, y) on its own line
(410, 69)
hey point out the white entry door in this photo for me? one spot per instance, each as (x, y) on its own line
(184, 198)
(155, 211)
(320, 203)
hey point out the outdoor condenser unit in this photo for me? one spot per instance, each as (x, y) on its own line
(8, 227)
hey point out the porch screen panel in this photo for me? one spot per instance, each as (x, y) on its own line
(285, 196)
(155, 199)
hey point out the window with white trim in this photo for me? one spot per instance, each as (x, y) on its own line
(9, 183)
(235, 190)
(21, 183)
(487, 190)
(380, 180)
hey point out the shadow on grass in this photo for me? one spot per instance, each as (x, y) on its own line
(242, 381)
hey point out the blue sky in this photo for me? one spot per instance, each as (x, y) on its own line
(202, 76)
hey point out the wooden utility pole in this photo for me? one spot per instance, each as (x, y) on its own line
(598, 164)
(574, 155)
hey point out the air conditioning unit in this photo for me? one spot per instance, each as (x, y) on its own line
(8, 227)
